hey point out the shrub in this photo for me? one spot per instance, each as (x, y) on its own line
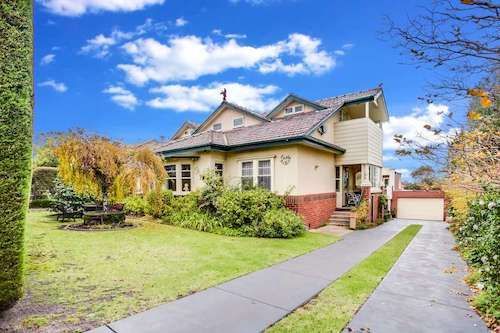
(42, 182)
(238, 208)
(280, 223)
(41, 203)
(16, 105)
(135, 205)
(195, 220)
(158, 203)
(65, 199)
(479, 237)
(361, 212)
(212, 190)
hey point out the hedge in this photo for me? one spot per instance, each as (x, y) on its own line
(42, 182)
(16, 105)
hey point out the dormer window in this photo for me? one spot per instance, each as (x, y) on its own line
(294, 109)
(238, 122)
(217, 127)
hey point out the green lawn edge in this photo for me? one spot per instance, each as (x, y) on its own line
(334, 307)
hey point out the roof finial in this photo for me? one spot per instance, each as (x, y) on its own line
(224, 94)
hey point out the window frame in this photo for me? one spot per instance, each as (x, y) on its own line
(169, 179)
(242, 122)
(293, 109)
(183, 177)
(338, 178)
(255, 172)
(217, 124)
(221, 170)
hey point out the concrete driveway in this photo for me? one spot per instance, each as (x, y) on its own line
(423, 292)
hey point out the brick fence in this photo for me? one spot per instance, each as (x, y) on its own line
(315, 209)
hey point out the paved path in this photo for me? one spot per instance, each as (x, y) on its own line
(424, 291)
(253, 302)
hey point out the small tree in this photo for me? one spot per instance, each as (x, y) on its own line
(104, 168)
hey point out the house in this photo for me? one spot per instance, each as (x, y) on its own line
(321, 154)
(391, 181)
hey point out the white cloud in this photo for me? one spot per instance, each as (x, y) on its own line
(100, 45)
(180, 22)
(348, 46)
(123, 97)
(80, 7)
(189, 57)
(388, 158)
(47, 59)
(57, 86)
(412, 126)
(339, 52)
(203, 99)
(218, 32)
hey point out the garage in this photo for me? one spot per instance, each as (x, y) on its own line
(420, 208)
(419, 205)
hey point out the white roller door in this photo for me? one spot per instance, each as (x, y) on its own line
(421, 208)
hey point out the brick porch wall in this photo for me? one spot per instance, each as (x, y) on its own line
(315, 209)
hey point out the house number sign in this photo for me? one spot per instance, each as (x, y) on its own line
(285, 159)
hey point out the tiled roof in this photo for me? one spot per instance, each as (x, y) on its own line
(283, 128)
(337, 101)
(293, 126)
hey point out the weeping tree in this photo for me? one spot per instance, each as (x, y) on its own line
(16, 105)
(106, 169)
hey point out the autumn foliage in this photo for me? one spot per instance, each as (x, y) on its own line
(106, 169)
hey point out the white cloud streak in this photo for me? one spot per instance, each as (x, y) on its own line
(47, 59)
(205, 98)
(180, 22)
(189, 57)
(81, 7)
(412, 126)
(123, 97)
(57, 86)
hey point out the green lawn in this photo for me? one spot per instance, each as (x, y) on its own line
(335, 306)
(78, 280)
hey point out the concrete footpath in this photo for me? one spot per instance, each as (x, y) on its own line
(423, 292)
(253, 302)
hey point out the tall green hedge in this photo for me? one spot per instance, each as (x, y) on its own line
(16, 104)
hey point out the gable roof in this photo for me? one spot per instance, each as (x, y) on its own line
(354, 97)
(290, 98)
(279, 131)
(237, 107)
(292, 128)
(183, 127)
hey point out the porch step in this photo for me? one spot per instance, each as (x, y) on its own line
(340, 218)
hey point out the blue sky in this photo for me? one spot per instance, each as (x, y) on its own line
(136, 69)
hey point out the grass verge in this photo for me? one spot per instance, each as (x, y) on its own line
(79, 280)
(335, 306)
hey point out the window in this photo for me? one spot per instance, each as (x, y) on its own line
(294, 109)
(386, 181)
(264, 174)
(217, 127)
(172, 177)
(238, 122)
(219, 169)
(374, 175)
(185, 177)
(247, 175)
(337, 179)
